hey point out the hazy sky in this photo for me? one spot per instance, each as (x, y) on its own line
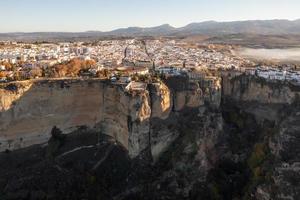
(104, 15)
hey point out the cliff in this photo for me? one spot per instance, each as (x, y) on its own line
(30, 109)
(264, 119)
(259, 90)
(178, 139)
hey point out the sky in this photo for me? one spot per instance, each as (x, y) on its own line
(106, 15)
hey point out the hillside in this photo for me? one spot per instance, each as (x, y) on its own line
(213, 28)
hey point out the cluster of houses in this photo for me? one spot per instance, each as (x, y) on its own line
(171, 71)
(126, 58)
(267, 73)
(43, 53)
(179, 54)
(278, 74)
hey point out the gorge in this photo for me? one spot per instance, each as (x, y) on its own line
(221, 137)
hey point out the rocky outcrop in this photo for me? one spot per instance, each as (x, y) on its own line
(169, 105)
(30, 109)
(186, 139)
(285, 170)
(139, 123)
(161, 100)
(267, 114)
(255, 89)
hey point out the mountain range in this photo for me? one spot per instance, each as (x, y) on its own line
(212, 28)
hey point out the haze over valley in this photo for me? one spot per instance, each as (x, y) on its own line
(276, 55)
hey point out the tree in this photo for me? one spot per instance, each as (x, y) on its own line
(103, 73)
(8, 66)
(71, 68)
(17, 76)
(60, 70)
(90, 63)
(35, 72)
(2, 74)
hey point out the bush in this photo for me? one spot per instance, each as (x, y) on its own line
(56, 141)
(258, 156)
(71, 68)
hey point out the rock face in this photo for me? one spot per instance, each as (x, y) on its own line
(270, 113)
(285, 148)
(253, 89)
(30, 109)
(166, 118)
(184, 139)
(169, 105)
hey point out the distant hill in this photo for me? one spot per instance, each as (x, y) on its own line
(263, 27)
(212, 28)
(165, 29)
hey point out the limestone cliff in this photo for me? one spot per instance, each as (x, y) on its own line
(254, 89)
(30, 109)
(170, 103)
(183, 139)
(264, 119)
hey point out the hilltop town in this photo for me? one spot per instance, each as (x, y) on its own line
(124, 61)
(176, 114)
(146, 103)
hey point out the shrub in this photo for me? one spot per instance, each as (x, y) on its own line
(258, 155)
